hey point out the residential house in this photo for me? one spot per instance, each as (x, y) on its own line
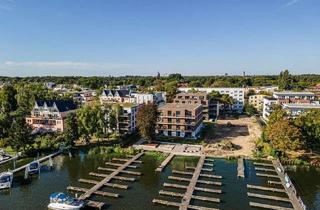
(50, 115)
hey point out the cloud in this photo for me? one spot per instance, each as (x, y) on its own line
(291, 2)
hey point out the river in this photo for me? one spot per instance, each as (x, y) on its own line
(33, 193)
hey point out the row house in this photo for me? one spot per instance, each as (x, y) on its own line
(50, 115)
(180, 120)
(210, 107)
(116, 96)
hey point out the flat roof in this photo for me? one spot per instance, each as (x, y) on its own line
(302, 106)
(179, 106)
(294, 93)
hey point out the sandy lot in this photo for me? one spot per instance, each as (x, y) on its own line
(242, 132)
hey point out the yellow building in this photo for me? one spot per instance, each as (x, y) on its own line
(256, 101)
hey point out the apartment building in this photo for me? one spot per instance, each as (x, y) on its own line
(236, 93)
(210, 107)
(287, 97)
(256, 101)
(128, 118)
(50, 115)
(180, 120)
(294, 110)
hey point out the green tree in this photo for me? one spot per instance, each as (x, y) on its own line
(20, 136)
(277, 114)
(146, 121)
(284, 81)
(283, 136)
(8, 102)
(309, 123)
(250, 109)
(71, 131)
(171, 90)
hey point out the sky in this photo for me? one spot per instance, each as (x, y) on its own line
(143, 37)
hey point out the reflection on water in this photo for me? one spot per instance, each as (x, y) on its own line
(307, 182)
(34, 193)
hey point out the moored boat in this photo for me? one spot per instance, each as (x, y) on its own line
(33, 167)
(62, 201)
(6, 180)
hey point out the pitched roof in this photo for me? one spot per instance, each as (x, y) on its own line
(62, 105)
(121, 93)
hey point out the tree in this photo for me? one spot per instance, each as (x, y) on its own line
(283, 136)
(87, 121)
(284, 81)
(309, 123)
(171, 90)
(20, 136)
(8, 102)
(146, 121)
(277, 114)
(71, 131)
(215, 95)
(250, 109)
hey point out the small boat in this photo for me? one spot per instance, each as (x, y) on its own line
(6, 180)
(62, 201)
(33, 167)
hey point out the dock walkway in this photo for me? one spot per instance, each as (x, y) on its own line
(165, 162)
(241, 168)
(40, 161)
(108, 178)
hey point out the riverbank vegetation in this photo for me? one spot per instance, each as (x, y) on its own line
(291, 138)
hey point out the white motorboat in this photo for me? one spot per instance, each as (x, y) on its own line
(6, 180)
(62, 201)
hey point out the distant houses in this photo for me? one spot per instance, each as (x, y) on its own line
(294, 103)
(50, 115)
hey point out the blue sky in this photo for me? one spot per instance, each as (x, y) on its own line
(142, 37)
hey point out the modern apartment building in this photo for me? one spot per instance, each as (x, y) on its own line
(256, 101)
(294, 110)
(50, 115)
(287, 97)
(180, 120)
(236, 93)
(210, 107)
(128, 118)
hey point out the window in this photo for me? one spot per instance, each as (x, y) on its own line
(169, 113)
(169, 120)
(178, 113)
(177, 120)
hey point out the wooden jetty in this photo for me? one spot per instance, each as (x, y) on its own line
(274, 182)
(266, 206)
(191, 173)
(165, 162)
(40, 161)
(122, 178)
(249, 186)
(119, 164)
(97, 192)
(202, 198)
(268, 175)
(203, 169)
(241, 168)
(123, 171)
(190, 180)
(296, 202)
(269, 197)
(89, 181)
(178, 186)
(125, 160)
(176, 204)
(264, 169)
(95, 204)
(89, 192)
(262, 164)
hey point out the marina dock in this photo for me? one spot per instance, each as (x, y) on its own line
(40, 161)
(95, 190)
(241, 168)
(165, 162)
